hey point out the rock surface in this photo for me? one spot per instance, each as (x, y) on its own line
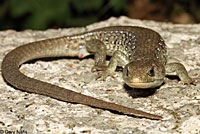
(31, 113)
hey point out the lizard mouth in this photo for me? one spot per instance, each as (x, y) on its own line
(144, 84)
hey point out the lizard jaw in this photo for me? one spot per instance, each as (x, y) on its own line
(144, 84)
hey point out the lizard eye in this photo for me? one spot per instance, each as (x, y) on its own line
(127, 72)
(151, 73)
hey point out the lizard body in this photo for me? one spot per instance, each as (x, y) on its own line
(141, 51)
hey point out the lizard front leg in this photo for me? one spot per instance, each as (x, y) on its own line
(99, 49)
(118, 59)
(180, 71)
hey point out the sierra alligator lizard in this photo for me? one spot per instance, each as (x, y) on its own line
(140, 51)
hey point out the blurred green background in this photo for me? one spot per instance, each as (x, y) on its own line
(44, 14)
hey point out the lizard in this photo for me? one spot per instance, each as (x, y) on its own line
(140, 51)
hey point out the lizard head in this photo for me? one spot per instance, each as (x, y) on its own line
(144, 73)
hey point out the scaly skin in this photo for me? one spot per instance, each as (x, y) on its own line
(140, 51)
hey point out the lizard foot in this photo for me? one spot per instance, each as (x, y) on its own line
(104, 75)
(191, 81)
(98, 68)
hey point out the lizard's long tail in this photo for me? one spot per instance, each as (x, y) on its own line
(53, 48)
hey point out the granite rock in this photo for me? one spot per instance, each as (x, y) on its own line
(32, 113)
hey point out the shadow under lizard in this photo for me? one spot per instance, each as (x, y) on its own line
(140, 51)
